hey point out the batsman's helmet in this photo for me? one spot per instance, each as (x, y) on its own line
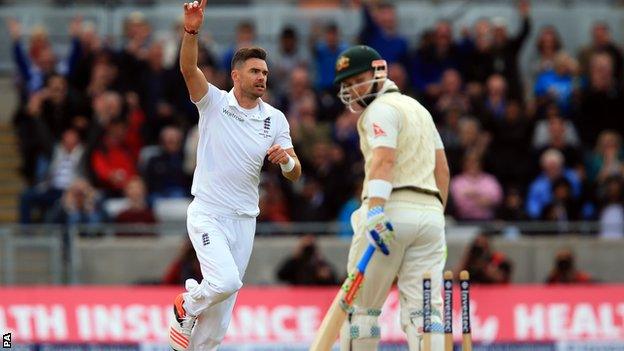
(353, 61)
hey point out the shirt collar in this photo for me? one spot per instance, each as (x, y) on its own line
(263, 111)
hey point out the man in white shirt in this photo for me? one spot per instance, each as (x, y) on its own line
(237, 130)
(403, 198)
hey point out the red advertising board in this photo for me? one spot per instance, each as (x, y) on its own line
(283, 315)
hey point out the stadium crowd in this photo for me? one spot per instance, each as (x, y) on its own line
(114, 120)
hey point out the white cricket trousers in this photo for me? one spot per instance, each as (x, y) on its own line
(223, 246)
(419, 247)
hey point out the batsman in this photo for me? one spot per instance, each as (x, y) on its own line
(403, 198)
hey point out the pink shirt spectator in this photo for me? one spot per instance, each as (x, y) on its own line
(476, 196)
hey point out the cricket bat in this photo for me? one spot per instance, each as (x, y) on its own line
(335, 316)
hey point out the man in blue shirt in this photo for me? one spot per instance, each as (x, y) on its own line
(325, 53)
(540, 191)
(380, 32)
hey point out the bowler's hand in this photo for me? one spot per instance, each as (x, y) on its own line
(277, 155)
(194, 14)
(379, 229)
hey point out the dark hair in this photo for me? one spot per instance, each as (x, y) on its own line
(245, 25)
(331, 27)
(540, 42)
(288, 32)
(244, 54)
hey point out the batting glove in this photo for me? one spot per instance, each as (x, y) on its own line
(380, 231)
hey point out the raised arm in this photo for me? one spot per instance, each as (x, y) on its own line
(196, 82)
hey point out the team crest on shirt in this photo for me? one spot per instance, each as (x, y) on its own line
(378, 131)
(266, 130)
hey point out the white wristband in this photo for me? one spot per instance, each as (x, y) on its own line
(379, 188)
(289, 166)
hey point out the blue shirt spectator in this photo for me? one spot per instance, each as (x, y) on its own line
(34, 69)
(325, 54)
(558, 84)
(380, 33)
(437, 55)
(540, 191)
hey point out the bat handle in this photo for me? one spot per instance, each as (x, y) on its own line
(366, 257)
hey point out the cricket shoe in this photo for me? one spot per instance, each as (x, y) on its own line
(181, 326)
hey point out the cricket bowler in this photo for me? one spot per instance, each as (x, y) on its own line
(237, 130)
(403, 198)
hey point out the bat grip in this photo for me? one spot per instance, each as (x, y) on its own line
(366, 257)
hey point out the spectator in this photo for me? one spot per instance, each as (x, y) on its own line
(542, 131)
(607, 158)
(80, 204)
(305, 128)
(104, 76)
(245, 37)
(602, 42)
(484, 265)
(136, 47)
(611, 209)
(495, 100)
(273, 205)
(563, 206)
(186, 266)
(113, 164)
(299, 88)
(431, 60)
(59, 106)
(601, 102)
(287, 57)
(345, 134)
(512, 208)
(476, 194)
(164, 172)
(564, 270)
(449, 129)
(559, 84)
(91, 49)
(137, 210)
(153, 88)
(510, 158)
(452, 96)
(548, 45)
(471, 138)
(506, 50)
(541, 189)
(328, 166)
(557, 140)
(325, 54)
(478, 62)
(310, 204)
(35, 68)
(67, 165)
(380, 31)
(307, 266)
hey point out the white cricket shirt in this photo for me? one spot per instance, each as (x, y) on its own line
(233, 143)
